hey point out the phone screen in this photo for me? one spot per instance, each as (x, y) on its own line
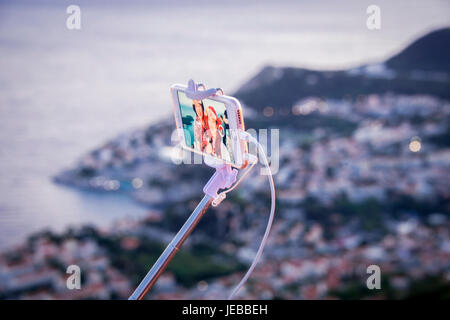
(206, 127)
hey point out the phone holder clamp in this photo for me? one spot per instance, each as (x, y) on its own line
(223, 178)
(193, 92)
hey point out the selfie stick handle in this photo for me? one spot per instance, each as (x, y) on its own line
(224, 177)
(165, 258)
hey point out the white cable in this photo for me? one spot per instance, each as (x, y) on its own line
(269, 223)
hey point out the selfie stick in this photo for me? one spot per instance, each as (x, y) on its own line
(223, 178)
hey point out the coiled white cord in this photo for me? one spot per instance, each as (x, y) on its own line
(271, 215)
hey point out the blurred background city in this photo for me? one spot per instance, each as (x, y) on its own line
(364, 172)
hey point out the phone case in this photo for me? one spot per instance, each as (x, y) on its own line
(235, 122)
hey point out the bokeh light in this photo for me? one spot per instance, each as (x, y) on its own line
(415, 145)
(137, 183)
(268, 111)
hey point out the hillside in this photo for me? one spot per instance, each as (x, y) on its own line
(421, 68)
(429, 53)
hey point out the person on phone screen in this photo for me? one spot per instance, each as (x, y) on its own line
(226, 138)
(214, 134)
(200, 125)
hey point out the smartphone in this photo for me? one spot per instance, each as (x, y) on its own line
(210, 126)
